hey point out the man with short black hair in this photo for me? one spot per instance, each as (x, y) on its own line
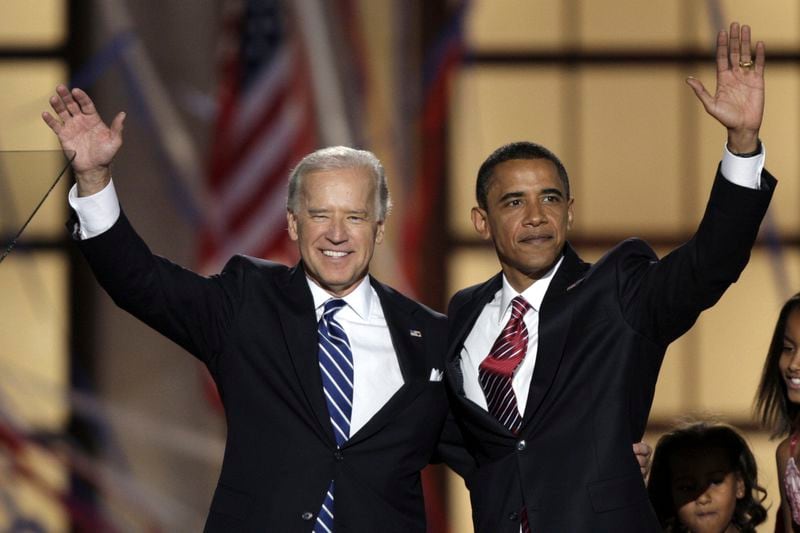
(552, 363)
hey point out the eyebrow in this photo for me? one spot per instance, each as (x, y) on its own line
(510, 195)
(520, 194)
(320, 210)
(553, 190)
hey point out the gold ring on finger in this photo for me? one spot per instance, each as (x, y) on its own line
(745, 64)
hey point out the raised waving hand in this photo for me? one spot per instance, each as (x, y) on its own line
(81, 129)
(738, 102)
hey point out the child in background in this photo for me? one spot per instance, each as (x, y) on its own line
(704, 480)
(778, 404)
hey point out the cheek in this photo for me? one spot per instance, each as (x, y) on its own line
(684, 512)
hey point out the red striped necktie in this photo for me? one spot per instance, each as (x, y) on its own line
(496, 374)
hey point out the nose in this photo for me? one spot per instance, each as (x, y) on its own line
(337, 230)
(534, 214)
(705, 497)
(794, 363)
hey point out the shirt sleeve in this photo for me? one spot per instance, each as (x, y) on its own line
(96, 213)
(743, 171)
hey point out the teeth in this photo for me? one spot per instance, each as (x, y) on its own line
(333, 253)
(795, 381)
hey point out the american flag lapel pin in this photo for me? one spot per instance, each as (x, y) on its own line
(415, 333)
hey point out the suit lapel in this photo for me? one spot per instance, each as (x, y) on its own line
(409, 348)
(555, 317)
(410, 352)
(461, 324)
(299, 324)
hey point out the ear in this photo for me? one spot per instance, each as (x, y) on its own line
(570, 212)
(380, 232)
(739, 487)
(291, 221)
(480, 219)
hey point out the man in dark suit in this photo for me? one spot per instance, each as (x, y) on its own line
(331, 381)
(552, 363)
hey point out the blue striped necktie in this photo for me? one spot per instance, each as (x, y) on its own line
(336, 367)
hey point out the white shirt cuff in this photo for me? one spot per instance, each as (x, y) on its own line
(743, 171)
(96, 213)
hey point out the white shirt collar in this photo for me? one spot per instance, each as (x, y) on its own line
(359, 300)
(533, 294)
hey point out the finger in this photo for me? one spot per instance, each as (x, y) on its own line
(722, 51)
(733, 45)
(642, 450)
(72, 106)
(700, 91)
(53, 122)
(83, 100)
(745, 56)
(116, 124)
(760, 57)
(58, 106)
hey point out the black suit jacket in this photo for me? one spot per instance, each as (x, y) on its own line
(603, 331)
(255, 328)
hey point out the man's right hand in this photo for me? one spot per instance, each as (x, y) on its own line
(80, 129)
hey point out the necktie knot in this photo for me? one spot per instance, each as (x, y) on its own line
(519, 306)
(332, 306)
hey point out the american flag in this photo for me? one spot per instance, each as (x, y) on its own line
(265, 125)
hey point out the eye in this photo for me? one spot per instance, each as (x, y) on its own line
(551, 199)
(356, 218)
(514, 202)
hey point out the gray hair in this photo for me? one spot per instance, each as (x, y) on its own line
(338, 158)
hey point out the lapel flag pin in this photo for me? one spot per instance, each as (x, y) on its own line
(415, 333)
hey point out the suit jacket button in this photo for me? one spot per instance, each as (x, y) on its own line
(338, 455)
(521, 445)
(513, 516)
(308, 515)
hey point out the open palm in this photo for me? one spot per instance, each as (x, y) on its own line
(81, 129)
(738, 103)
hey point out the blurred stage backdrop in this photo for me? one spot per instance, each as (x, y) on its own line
(106, 426)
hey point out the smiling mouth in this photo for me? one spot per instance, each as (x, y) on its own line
(793, 382)
(334, 253)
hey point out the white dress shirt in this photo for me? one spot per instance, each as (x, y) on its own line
(743, 171)
(487, 328)
(376, 370)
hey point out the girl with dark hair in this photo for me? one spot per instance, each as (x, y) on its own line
(778, 405)
(704, 479)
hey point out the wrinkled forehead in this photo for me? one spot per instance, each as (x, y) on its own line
(351, 187)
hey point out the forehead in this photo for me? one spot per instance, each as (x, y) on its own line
(793, 325)
(353, 186)
(699, 462)
(525, 174)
